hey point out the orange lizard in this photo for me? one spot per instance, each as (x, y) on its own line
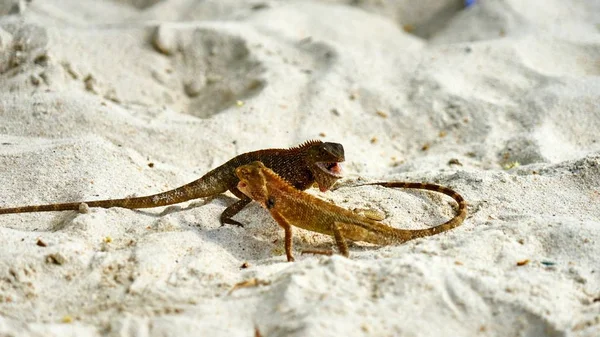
(291, 207)
(301, 166)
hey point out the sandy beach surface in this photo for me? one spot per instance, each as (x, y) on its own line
(109, 99)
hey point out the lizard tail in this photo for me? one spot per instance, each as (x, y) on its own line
(456, 221)
(196, 189)
(42, 208)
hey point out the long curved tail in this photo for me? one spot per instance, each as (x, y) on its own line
(196, 189)
(456, 221)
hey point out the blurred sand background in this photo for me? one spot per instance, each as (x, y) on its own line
(105, 99)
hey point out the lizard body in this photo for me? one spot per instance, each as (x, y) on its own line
(302, 166)
(292, 207)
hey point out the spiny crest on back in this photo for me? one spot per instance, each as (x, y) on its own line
(306, 144)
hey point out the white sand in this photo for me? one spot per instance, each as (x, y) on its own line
(93, 91)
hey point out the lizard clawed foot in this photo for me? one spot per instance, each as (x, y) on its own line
(317, 252)
(230, 221)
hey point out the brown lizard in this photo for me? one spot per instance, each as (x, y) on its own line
(301, 166)
(291, 207)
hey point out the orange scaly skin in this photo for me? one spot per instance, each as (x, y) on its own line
(303, 165)
(291, 207)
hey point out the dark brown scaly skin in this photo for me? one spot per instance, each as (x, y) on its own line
(291, 207)
(303, 165)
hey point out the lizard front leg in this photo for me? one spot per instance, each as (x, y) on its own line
(235, 208)
(288, 234)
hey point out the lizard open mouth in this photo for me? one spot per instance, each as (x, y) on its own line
(331, 168)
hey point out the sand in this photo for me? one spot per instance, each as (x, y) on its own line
(107, 99)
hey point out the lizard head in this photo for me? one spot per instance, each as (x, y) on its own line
(253, 182)
(323, 160)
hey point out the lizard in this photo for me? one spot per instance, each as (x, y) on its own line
(292, 207)
(301, 166)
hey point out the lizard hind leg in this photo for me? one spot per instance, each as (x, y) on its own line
(339, 240)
